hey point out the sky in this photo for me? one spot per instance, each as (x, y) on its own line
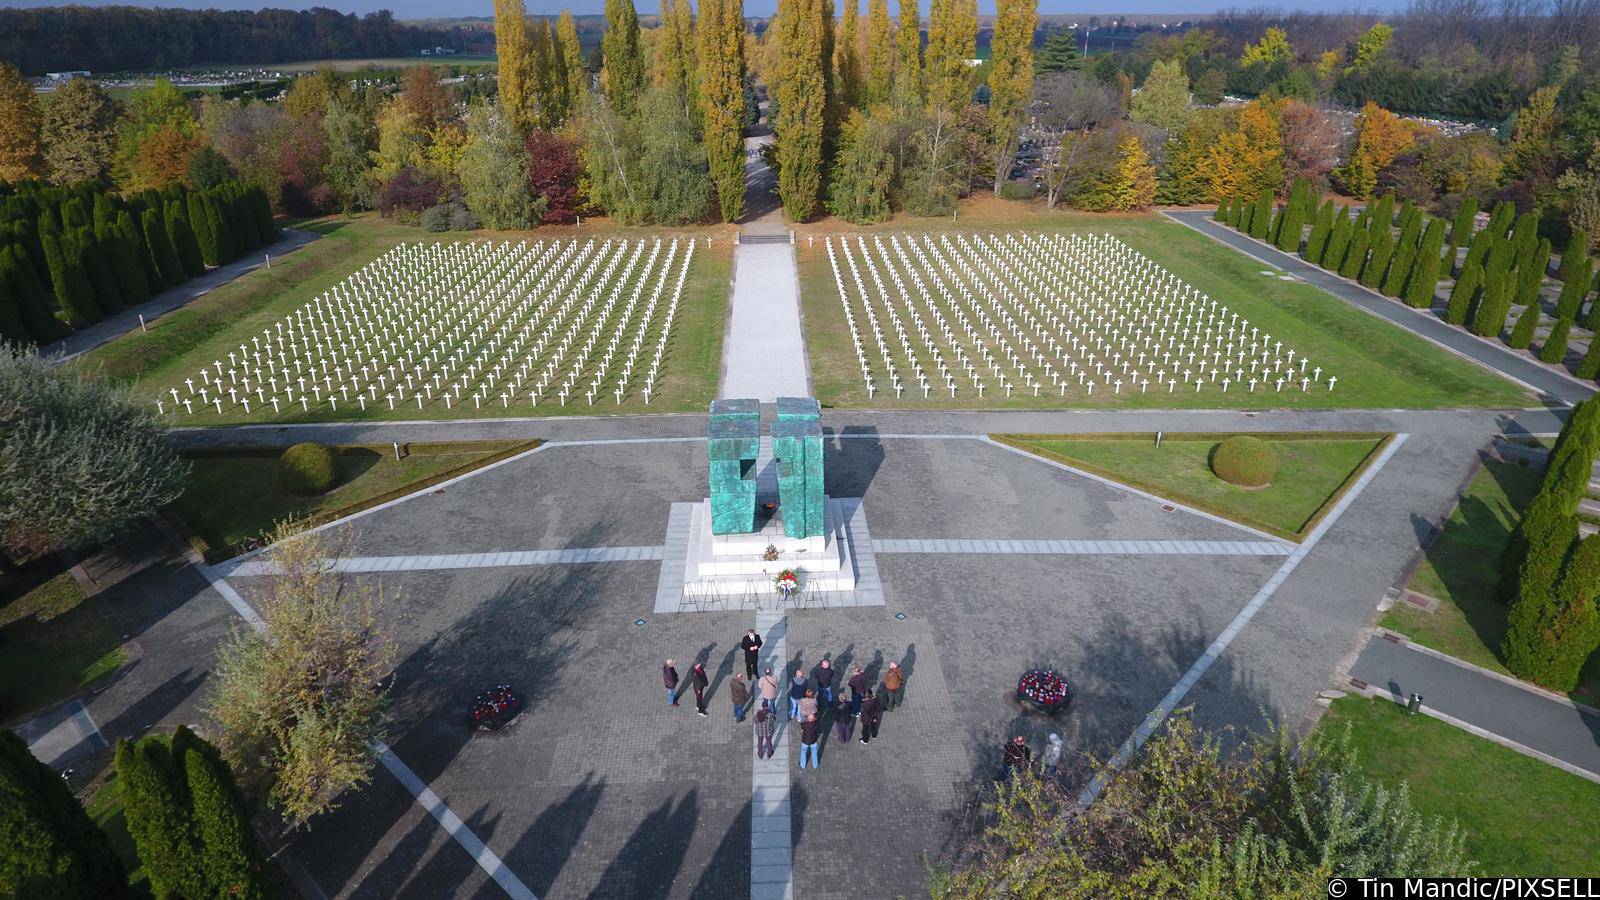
(417, 9)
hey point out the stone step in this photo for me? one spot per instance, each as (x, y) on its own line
(1587, 528)
(1589, 506)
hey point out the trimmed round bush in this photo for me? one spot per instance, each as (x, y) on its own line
(306, 469)
(1244, 460)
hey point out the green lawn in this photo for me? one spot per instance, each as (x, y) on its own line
(234, 499)
(177, 345)
(1522, 816)
(1462, 569)
(1311, 472)
(53, 643)
(1377, 364)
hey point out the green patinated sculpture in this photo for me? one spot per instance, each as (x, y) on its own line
(797, 444)
(735, 441)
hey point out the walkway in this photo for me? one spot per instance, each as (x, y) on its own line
(1563, 733)
(1424, 324)
(112, 327)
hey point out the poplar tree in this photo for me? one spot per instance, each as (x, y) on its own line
(518, 80)
(878, 85)
(1010, 80)
(952, 40)
(669, 60)
(801, 92)
(847, 56)
(548, 80)
(721, 39)
(576, 76)
(622, 72)
(908, 90)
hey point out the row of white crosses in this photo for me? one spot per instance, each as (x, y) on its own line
(453, 323)
(1043, 312)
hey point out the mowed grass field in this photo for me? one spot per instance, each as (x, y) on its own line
(1377, 364)
(177, 345)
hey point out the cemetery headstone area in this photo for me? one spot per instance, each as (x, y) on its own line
(437, 329)
(1040, 319)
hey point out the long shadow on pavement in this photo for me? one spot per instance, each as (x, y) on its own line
(649, 861)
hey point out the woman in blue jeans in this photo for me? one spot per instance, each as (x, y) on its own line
(797, 692)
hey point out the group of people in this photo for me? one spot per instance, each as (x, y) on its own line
(810, 698)
(1016, 756)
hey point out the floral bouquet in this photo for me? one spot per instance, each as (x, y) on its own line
(787, 582)
(771, 553)
(495, 706)
(1044, 687)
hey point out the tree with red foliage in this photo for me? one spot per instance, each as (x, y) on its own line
(301, 161)
(1310, 143)
(553, 173)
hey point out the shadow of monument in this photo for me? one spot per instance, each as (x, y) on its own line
(650, 860)
(853, 456)
(727, 873)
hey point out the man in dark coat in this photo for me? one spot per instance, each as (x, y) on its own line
(741, 696)
(1017, 757)
(871, 715)
(810, 731)
(751, 645)
(669, 677)
(858, 691)
(824, 677)
(697, 677)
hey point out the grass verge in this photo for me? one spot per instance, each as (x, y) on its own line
(1522, 816)
(234, 497)
(54, 643)
(1462, 569)
(1314, 470)
(1378, 365)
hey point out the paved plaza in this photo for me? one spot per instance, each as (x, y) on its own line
(992, 562)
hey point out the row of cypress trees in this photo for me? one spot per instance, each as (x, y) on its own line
(69, 256)
(1549, 577)
(189, 819)
(1404, 256)
(49, 847)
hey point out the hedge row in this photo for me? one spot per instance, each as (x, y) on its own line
(70, 256)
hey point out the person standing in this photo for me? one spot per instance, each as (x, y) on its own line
(766, 724)
(697, 677)
(1017, 757)
(797, 692)
(894, 686)
(808, 705)
(669, 677)
(769, 691)
(809, 730)
(825, 682)
(858, 691)
(741, 696)
(1052, 756)
(871, 715)
(842, 718)
(751, 645)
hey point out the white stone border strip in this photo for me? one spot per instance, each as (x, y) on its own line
(425, 563)
(1135, 491)
(1083, 547)
(771, 842)
(480, 853)
(1201, 665)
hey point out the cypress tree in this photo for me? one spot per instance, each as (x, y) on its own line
(1589, 366)
(1574, 288)
(1502, 256)
(1554, 349)
(1355, 255)
(1338, 238)
(1461, 231)
(12, 329)
(1424, 278)
(1592, 320)
(1221, 215)
(234, 862)
(1276, 224)
(124, 264)
(1317, 241)
(1527, 324)
(1461, 296)
(74, 215)
(1577, 251)
(1246, 216)
(1261, 219)
(1531, 271)
(49, 847)
(1525, 235)
(1405, 253)
(1378, 262)
(227, 243)
(161, 251)
(1291, 229)
(1478, 249)
(156, 804)
(31, 296)
(1489, 317)
(246, 218)
(74, 293)
(205, 229)
(184, 242)
(1500, 218)
(104, 213)
(263, 210)
(1549, 637)
(1383, 213)
(97, 262)
(128, 228)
